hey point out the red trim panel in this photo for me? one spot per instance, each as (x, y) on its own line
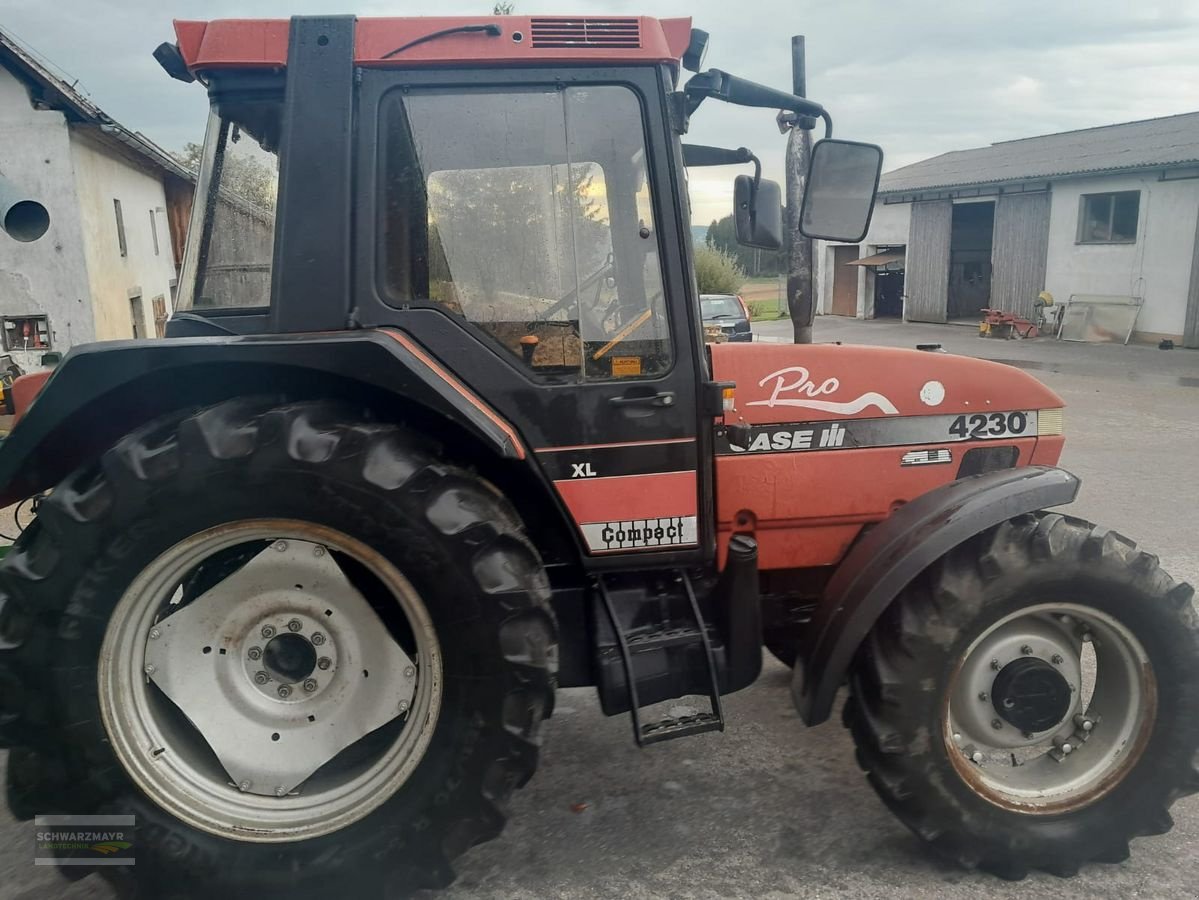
(627, 497)
(524, 40)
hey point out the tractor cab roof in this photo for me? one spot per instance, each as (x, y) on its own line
(423, 41)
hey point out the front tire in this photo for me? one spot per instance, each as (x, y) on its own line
(971, 717)
(477, 631)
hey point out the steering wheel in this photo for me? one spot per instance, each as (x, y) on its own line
(597, 277)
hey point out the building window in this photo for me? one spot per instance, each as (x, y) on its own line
(135, 315)
(116, 205)
(154, 231)
(1109, 218)
(26, 333)
(160, 315)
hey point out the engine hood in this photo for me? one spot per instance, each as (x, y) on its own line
(814, 382)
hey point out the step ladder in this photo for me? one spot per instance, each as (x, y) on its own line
(632, 644)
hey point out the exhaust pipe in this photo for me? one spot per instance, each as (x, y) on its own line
(21, 218)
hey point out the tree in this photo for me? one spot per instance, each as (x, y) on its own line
(717, 272)
(722, 234)
(243, 175)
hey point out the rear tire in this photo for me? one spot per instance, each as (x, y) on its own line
(449, 534)
(1007, 818)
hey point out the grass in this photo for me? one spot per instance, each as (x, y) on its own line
(765, 297)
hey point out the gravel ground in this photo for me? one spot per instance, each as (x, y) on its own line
(773, 810)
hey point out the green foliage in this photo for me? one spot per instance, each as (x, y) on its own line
(722, 235)
(242, 175)
(717, 272)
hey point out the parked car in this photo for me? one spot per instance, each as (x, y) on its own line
(729, 312)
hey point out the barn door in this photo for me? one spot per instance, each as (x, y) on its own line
(1018, 251)
(845, 281)
(926, 279)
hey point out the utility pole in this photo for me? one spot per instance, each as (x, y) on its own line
(801, 293)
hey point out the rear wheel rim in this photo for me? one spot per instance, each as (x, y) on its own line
(173, 762)
(1021, 743)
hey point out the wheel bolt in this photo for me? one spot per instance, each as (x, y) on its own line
(323, 663)
(254, 653)
(149, 669)
(1057, 659)
(994, 665)
(268, 631)
(310, 685)
(261, 677)
(318, 550)
(984, 696)
(1026, 650)
(1081, 721)
(976, 757)
(996, 724)
(1084, 634)
(1028, 735)
(155, 634)
(280, 545)
(1064, 746)
(280, 791)
(284, 691)
(244, 786)
(295, 625)
(403, 706)
(409, 671)
(318, 638)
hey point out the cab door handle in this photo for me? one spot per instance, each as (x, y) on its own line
(665, 398)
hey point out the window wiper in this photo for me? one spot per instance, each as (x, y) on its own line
(490, 29)
(720, 316)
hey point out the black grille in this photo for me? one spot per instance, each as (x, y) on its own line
(624, 33)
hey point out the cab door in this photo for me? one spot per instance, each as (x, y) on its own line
(513, 229)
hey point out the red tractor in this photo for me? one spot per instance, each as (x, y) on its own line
(434, 432)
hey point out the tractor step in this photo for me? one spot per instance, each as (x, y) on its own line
(683, 726)
(668, 656)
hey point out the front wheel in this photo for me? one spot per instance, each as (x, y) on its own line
(302, 653)
(1030, 701)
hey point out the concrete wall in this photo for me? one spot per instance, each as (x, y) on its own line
(1157, 267)
(888, 227)
(47, 276)
(104, 174)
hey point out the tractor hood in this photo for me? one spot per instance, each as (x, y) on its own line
(779, 383)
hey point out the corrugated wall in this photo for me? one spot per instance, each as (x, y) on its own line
(1190, 337)
(926, 269)
(1018, 251)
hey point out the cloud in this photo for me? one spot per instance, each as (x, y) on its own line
(920, 78)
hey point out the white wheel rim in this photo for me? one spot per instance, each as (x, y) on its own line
(183, 770)
(1098, 739)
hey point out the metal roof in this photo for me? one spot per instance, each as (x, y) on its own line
(51, 91)
(1148, 144)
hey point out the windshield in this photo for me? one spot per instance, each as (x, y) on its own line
(536, 224)
(723, 306)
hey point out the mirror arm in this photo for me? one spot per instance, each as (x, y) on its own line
(743, 92)
(788, 120)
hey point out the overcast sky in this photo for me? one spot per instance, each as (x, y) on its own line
(918, 77)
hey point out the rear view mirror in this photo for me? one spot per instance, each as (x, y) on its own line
(838, 198)
(758, 213)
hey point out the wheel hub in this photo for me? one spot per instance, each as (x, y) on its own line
(273, 667)
(1031, 694)
(289, 658)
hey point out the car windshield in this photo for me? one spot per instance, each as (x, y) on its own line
(724, 306)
